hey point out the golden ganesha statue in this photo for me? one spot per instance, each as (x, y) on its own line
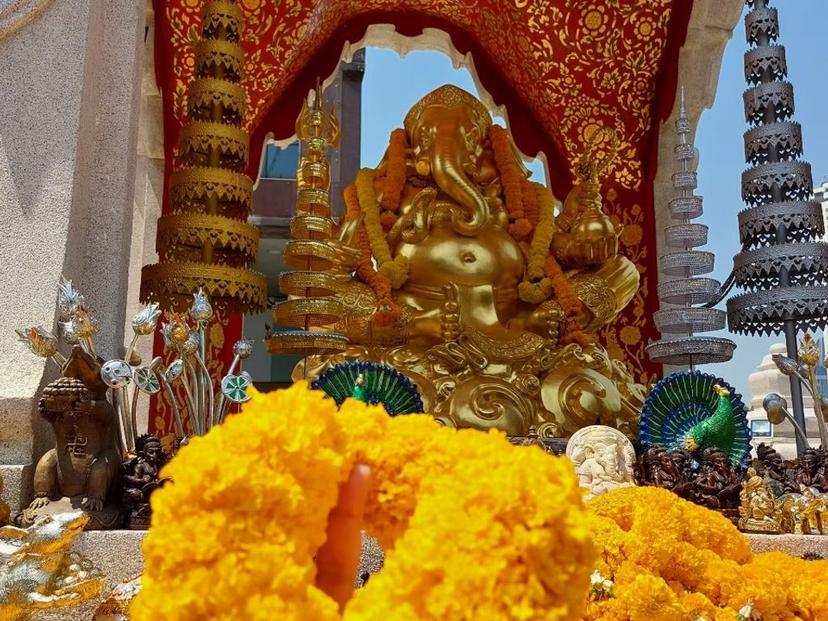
(454, 268)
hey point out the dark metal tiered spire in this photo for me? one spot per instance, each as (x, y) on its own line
(782, 266)
(687, 291)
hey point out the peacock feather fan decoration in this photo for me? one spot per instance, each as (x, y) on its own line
(695, 410)
(373, 383)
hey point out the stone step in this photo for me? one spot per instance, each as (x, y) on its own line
(17, 486)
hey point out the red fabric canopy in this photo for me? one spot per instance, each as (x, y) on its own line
(561, 67)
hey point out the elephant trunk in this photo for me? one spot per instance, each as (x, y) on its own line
(447, 168)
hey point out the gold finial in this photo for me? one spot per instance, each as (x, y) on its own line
(589, 169)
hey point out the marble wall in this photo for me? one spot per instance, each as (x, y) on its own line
(69, 102)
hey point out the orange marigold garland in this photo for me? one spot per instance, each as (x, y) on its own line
(388, 311)
(520, 226)
(544, 275)
(394, 171)
(394, 268)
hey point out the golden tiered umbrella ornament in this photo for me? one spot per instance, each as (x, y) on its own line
(310, 305)
(204, 241)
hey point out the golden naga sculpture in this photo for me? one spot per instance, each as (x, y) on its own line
(454, 268)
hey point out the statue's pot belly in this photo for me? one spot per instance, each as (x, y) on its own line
(490, 261)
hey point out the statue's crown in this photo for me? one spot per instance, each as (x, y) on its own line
(448, 96)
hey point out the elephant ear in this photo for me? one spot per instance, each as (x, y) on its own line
(519, 157)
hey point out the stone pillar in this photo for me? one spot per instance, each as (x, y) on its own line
(69, 85)
(148, 197)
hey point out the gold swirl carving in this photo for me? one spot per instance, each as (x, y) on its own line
(197, 183)
(523, 346)
(490, 403)
(198, 229)
(598, 296)
(583, 389)
(204, 93)
(306, 312)
(222, 14)
(199, 137)
(172, 285)
(212, 53)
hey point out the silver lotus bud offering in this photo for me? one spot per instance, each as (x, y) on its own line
(201, 309)
(116, 373)
(775, 406)
(243, 348)
(69, 299)
(174, 371)
(787, 366)
(144, 322)
(190, 346)
(40, 341)
(70, 331)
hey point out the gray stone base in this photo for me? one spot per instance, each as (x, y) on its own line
(795, 545)
(17, 486)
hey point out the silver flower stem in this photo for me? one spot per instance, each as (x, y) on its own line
(220, 408)
(191, 404)
(133, 418)
(121, 404)
(130, 349)
(206, 380)
(207, 384)
(59, 359)
(90, 346)
(179, 424)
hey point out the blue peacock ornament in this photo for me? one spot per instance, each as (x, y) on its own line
(373, 383)
(696, 411)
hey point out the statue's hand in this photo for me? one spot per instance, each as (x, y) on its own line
(39, 503)
(591, 240)
(450, 326)
(546, 320)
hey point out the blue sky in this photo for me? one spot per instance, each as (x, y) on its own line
(392, 85)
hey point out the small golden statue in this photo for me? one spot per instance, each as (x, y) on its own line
(454, 268)
(758, 512)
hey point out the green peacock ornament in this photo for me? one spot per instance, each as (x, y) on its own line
(373, 383)
(695, 410)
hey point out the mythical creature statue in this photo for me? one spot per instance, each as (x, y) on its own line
(696, 411)
(454, 268)
(39, 572)
(141, 478)
(79, 472)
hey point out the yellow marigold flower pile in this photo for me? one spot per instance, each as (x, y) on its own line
(671, 560)
(473, 527)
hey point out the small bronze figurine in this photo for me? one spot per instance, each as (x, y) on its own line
(141, 479)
